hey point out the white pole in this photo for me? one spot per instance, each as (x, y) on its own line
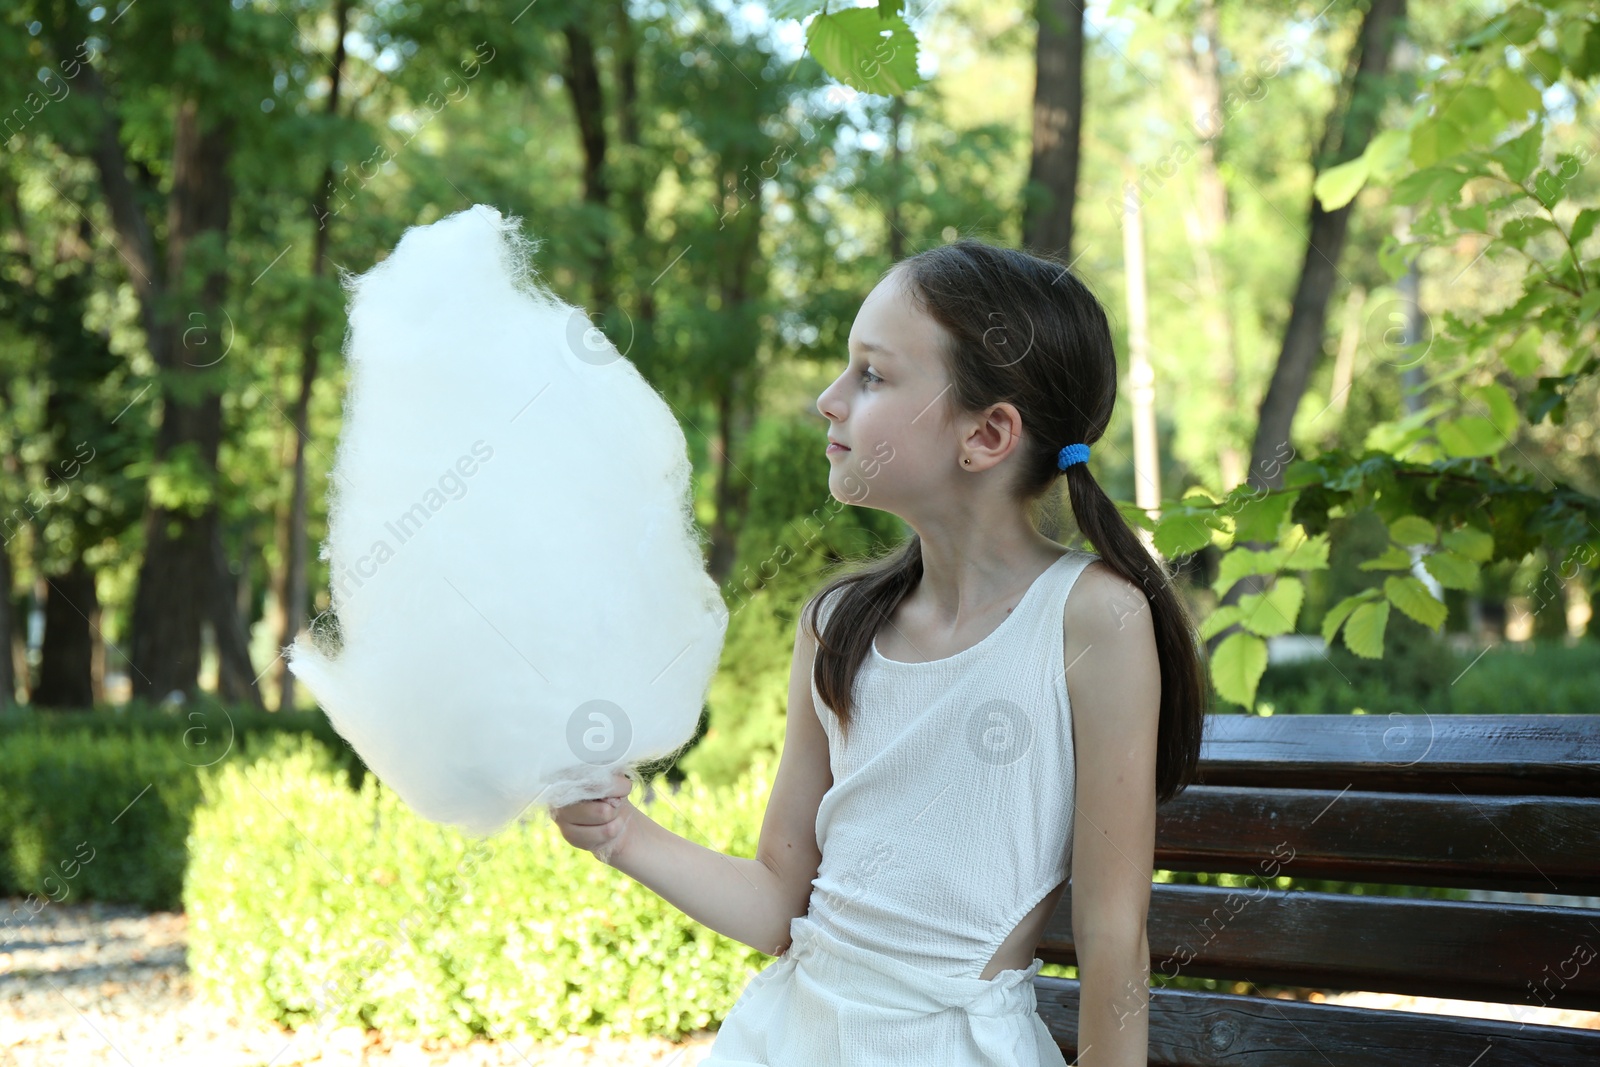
(1141, 375)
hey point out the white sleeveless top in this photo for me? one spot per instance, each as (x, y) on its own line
(949, 819)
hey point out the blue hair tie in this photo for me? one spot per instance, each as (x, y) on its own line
(1072, 454)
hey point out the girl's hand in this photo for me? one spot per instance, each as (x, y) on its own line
(599, 826)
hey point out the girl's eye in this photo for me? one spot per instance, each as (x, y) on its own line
(867, 374)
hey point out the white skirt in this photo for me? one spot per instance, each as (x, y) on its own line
(826, 1003)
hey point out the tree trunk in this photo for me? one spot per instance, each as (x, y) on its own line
(582, 76)
(71, 613)
(174, 591)
(1057, 121)
(236, 681)
(1349, 129)
(635, 203)
(735, 271)
(1303, 337)
(293, 594)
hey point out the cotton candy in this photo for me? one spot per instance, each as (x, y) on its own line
(520, 606)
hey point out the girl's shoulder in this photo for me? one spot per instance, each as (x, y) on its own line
(1100, 588)
(1107, 611)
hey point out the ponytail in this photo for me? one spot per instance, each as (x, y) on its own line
(1185, 686)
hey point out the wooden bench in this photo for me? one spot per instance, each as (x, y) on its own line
(1500, 802)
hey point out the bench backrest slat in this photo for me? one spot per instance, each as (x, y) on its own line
(1435, 948)
(1550, 755)
(1522, 843)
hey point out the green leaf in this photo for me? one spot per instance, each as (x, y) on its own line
(1521, 154)
(1452, 570)
(1469, 437)
(1239, 563)
(1474, 217)
(1136, 516)
(1472, 108)
(1412, 597)
(1583, 225)
(1471, 542)
(1514, 94)
(865, 50)
(1273, 612)
(1178, 534)
(1219, 621)
(1415, 186)
(1549, 186)
(1589, 306)
(1388, 153)
(1546, 400)
(1523, 23)
(1489, 31)
(1237, 666)
(1546, 63)
(1570, 40)
(1522, 355)
(1306, 554)
(1304, 472)
(1337, 186)
(1579, 364)
(1435, 139)
(1363, 634)
(1393, 257)
(1517, 231)
(1341, 611)
(1260, 518)
(1393, 558)
(1502, 409)
(1590, 65)
(1413, 530)
(795, 9)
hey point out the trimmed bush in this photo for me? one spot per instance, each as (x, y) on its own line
(83, 816)
(66, 776)
(310, 902)
(205, 730)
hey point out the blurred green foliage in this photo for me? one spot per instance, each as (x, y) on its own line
(1420, 673)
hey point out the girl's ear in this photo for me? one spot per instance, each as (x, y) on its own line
(999, 431)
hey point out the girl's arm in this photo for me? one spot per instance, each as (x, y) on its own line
(1114, 683)
(749, 900)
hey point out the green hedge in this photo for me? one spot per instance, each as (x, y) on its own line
(308, 901)
(67, 776)
(1419, 672)
(84, 816)
(206, 731)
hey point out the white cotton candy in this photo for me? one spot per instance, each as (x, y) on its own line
(521, 602)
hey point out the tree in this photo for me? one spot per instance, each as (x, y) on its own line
(1057, 121)
(1348, 132)
(1436, 477)
(174, 245)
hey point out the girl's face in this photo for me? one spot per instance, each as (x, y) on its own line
(890, 406)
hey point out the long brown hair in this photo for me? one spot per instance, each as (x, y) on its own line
(1023, 329)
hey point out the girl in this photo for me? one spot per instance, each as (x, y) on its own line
(962, 734)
